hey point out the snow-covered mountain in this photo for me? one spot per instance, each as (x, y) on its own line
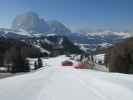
(105, 38)
(29, 25)
(109, 33)
(48, 43)
(98, 39)
(108, 37)
(87, 42)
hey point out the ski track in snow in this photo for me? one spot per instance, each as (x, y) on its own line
(57, 83)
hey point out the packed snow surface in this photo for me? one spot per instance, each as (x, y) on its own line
(55, 82)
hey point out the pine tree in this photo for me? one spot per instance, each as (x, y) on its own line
(40, 64)
(35, 65)
(26, 66)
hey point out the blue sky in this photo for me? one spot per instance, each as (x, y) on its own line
(76, 14)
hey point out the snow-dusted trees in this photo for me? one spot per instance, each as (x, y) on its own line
(17, 61)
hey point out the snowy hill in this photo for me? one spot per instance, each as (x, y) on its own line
(57, 83)
(87, 42)
(12, 33)
(49, 43)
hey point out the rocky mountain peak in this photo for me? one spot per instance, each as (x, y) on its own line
(30, 21)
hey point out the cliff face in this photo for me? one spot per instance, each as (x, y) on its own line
(58, 27)
(30, 21)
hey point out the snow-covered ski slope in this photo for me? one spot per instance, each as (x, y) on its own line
(59, 83)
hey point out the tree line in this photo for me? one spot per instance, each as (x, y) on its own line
(13, 54)
(119, 58)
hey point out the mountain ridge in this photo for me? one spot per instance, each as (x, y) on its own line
(32, 22)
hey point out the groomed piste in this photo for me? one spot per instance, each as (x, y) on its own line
(54, 82)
